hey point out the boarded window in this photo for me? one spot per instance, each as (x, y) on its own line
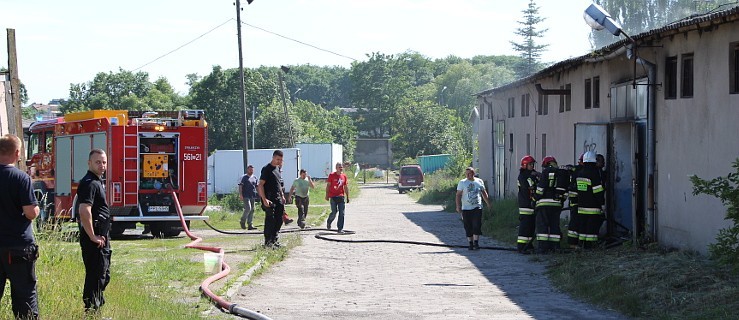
(686, 76)
(734, 67)
(543, 144)
(528, 143)
(568, 98)
(671, 78)
(588, 93)
(596, 92)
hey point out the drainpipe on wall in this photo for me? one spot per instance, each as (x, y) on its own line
(651, 223)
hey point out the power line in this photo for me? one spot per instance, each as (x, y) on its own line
(182, 46)
(298, 41)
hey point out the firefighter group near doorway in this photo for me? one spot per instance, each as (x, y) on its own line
(541, 197)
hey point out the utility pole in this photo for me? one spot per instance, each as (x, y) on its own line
(242, 96)
(15, 115)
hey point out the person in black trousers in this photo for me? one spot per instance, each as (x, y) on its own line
(273, 199)
(94, 223)
(18, 249)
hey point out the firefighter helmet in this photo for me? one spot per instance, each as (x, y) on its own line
(547, 161)
(526, 160)
(589, 157)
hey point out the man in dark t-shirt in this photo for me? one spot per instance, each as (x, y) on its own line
(273, 199)
(94, 224)
(18, 250)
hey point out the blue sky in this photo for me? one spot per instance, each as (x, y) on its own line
(63, 42)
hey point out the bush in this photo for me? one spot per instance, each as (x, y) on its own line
(726, 189)
(230, 202)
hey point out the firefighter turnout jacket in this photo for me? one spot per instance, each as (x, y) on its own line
(527, 181)
(589, 189)
(552, 187)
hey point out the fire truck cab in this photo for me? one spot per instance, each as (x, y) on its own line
(150, 155)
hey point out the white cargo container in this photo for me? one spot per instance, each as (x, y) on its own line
(225, 167)
(319, 158)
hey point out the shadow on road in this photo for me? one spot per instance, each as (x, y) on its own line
(521, 278)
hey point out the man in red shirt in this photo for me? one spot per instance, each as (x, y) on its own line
(337, 191)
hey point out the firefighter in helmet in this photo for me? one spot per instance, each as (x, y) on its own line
(550, 194)
(527, 179)
(590, 195)
(573, 235)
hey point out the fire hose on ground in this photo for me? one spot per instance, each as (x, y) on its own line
(322, 236)
(225, 269)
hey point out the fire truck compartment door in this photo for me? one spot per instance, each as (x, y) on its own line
(73, 152)
(63, 164)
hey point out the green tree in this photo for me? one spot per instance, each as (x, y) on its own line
(726, 189)
(378, 86)
(218, 94)
(124, 90)
(637, 16)
(318, 125)
(427, 129)
(529, 51)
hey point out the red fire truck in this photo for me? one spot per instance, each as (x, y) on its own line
(149, 154)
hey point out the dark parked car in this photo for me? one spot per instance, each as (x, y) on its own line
(410, 177)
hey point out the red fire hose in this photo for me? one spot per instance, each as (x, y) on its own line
(225, 269)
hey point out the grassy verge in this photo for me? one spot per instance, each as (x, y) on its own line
(643, 283)
(153, 278)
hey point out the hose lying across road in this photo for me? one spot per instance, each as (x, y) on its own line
(322, 235)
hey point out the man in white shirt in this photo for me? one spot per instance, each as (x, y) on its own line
(470, 193)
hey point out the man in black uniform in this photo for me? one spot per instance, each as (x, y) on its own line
(273, 199)
(527, 179)
(550, 192)
(18, 250)
(590, 192)
(94, 224)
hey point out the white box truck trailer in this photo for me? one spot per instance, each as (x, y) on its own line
(319, 158)
(225, 167)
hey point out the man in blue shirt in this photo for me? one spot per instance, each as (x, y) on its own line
(18, 250)
(248, 193)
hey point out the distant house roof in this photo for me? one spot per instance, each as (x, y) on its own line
(695, 22)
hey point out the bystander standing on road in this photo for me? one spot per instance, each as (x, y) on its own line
(470, 193)
(94, 225)
(273, 199)
(337, 192)
(18, 249)
(301, 188)
(248, 193)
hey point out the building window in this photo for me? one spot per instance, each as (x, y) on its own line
(482, 111)
(510, 143)
(671, 78)
(511, 107)
(596, 92)
(568, 98)
(528, 143)
(686, 76)
(543, 105)
(734, 68)
(490, 110)
(523, 105)
(588, 94)
(561, 100)
(543, 144)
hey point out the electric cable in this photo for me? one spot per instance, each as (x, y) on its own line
(298, 41)
(182, 46)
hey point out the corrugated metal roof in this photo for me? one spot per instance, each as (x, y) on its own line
(718, 17)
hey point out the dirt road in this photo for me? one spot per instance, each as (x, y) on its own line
(329, 280)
